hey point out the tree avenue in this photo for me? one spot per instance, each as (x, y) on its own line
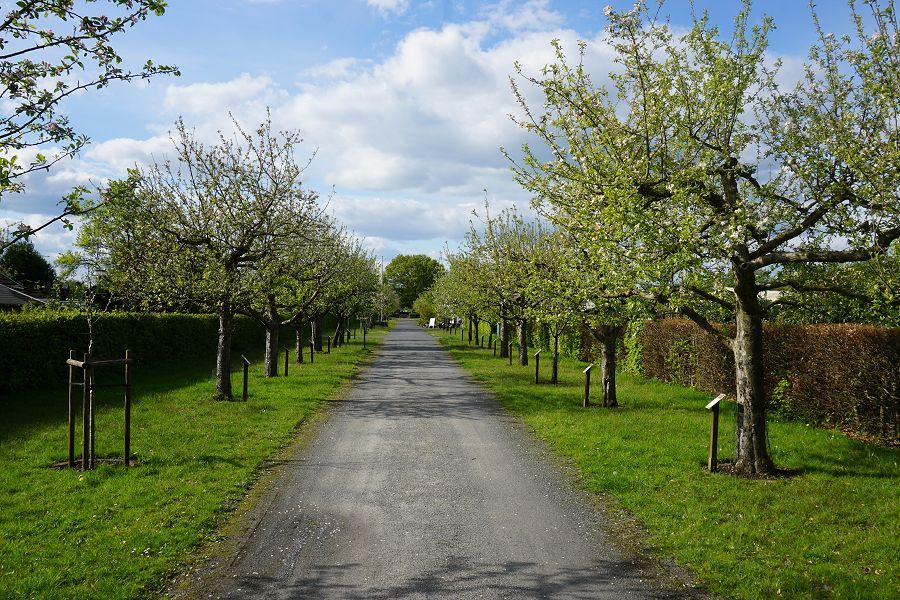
(229, 228)
(708, 184)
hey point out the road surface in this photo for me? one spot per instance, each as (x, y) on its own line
(419, 485)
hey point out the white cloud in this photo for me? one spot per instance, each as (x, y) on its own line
(389, 6)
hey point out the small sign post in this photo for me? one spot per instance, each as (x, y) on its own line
(537, 370)
(713, 406)
(587, 385)
(286, 353)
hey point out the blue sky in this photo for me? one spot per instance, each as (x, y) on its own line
(406, 102)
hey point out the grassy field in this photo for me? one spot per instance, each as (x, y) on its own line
(830, 531)
(116, 532)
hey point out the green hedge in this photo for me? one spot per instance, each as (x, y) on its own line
(34, 345)
(837, 375)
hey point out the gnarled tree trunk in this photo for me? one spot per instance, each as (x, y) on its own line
(609, 335)
(273, 328)
(298, 349)
(223, 351)
(554, 371)
(752, 453)
(523, 342)
(504, 338)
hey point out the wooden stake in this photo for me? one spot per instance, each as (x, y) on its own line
(312, 351)
(71, 413)
(128, 408)
(286, 354)
(537, 369)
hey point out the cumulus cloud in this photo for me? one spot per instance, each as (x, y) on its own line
(409, 142)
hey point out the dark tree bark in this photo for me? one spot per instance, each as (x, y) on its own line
(298, 333)
(477, 325)
(523, 342)
(223, 351)
(752, 453)
(554, 371)
(315, 325)
(470, 328)
(490, 343)
(609, 335)
(504, 338)
(272, 323)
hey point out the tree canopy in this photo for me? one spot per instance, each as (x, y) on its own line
(27, 266)
(702, 182)
(410, 275)
(50, 50)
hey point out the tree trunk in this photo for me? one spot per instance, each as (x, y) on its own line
(273, 327)
(554, 372)
(752, 453)
(298, 350)
(490, 343)
(315, 326)
(223, 352)
(470, 329)
(477, 325)
(338, 338)
(504, 338)
(609, 335)
(523, 342)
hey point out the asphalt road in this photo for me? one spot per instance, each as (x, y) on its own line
(420, 486)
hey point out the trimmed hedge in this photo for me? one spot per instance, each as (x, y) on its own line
(843, 375)
(34, 345)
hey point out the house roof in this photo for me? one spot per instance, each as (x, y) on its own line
(12, 294)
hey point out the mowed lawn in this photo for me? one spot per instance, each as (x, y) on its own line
(116, 532)
(832, 530)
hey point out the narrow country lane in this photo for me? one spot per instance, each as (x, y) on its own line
(420, 486)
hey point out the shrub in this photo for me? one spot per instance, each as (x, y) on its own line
(34, 345)
(837, 375)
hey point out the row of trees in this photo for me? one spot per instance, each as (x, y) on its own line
(230, 228)
(700, 184)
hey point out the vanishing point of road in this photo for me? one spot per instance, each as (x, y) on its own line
(419, 485)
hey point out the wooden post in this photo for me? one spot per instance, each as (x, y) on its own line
(328, 337)
(85, 418)
(286, 354)
(587, 385)
(364, 335)
(71, 412)
(537, 369)
(128, 408)
(312, 351)
(713, 406)
(509, 351)
(495, 348)
(246, 369)
(481, 345)
(89, 374)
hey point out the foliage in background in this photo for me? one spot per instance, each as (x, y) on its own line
(35, 344)
(411, 274)
(22, 263)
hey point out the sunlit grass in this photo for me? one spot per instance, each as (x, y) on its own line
(831, 530)
(116, 532)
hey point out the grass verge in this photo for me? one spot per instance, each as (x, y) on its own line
(831, 530)
(116, 532)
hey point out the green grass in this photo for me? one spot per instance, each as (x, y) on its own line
(831, 530)
(116, 532)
